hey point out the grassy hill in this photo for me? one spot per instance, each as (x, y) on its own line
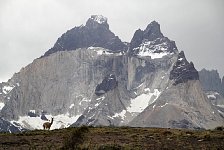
(114, 138)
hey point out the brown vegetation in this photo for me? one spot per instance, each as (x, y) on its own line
(114, 138)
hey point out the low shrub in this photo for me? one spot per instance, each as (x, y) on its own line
(166, 133)
(75, 138)
(220, 128)
(110, 147)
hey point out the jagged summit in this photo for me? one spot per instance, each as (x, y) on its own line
(95, 33)
(151, 42)
(211, 81)
(183, 70)
(153, 31)
(97, 20)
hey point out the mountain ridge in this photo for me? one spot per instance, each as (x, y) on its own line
(90, 77)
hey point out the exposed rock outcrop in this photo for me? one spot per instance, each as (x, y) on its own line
(213, 86)
(211, 81)
(183, 71)
(108, 83)
(6, 126)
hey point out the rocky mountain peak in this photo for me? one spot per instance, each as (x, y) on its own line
(151, 42)
(153, 31)
(95, 33)
(211, 81)
(183, 70)
(97, 20)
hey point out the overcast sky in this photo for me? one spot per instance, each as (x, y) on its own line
(28, 28)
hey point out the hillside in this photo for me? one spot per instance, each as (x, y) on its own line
(114, 138)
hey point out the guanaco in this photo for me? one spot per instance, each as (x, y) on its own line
(47, 125)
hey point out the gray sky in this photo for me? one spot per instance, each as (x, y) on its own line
(28, 28)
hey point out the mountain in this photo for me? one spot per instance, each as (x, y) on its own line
(6, 126)
(91, 77)
(151, 42)
(95, 33)
(213, 86)
(183, 104)
(211, 81)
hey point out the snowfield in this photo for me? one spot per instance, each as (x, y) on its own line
(32, 123)
(142, 101)
(99, 19)
(1, 106)
(7, 89)
(154, 51)
(139, 103)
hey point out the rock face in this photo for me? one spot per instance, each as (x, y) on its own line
(181, 106)
(108, 83)
(213, 86)
(89, 78)
(223, 83)
(6, 126)
(211, 81)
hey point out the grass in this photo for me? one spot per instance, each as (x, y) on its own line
(75, 138)
(114, 138)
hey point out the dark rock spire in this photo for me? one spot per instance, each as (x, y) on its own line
(183, 70)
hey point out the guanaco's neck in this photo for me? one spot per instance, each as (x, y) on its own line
(51, 120)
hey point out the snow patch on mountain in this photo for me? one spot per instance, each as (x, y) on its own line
(139, 103)
(211, 96)
(7, 89)
(33, 111)
(121, 114)
(221, 106)
(100, 98)
(1, 105)
(71, 106)
(151, 54)
(150, 48)
(99, 19)
(221, 112)
(164, 105)
(103, 51)
(60, 121)
(84, 100)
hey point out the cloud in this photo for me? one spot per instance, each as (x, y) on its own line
(29, 27)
